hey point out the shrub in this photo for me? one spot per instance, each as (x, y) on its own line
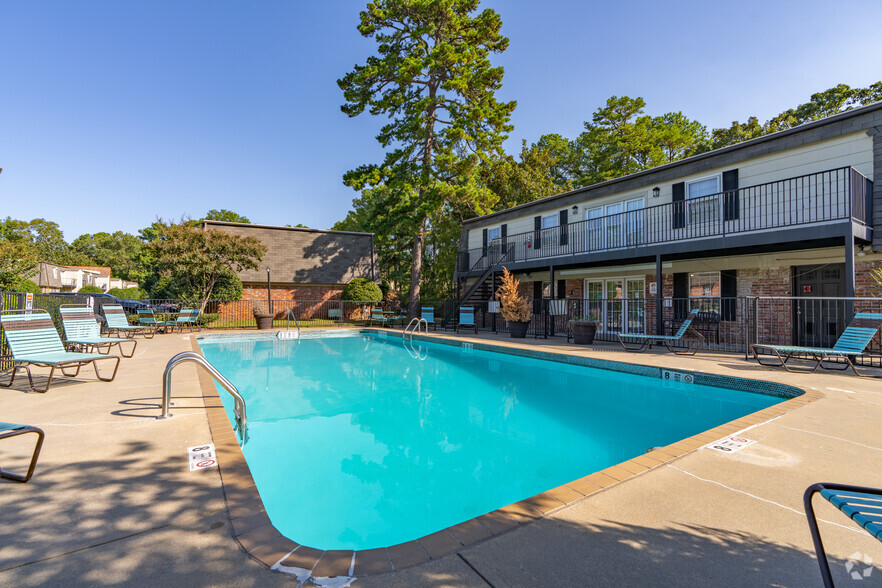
(362, 290)
(513, 306)
(133, 293)
(27, 286)
(90, 290)
(207, 318)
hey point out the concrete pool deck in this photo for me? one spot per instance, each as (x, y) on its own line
(112, 500)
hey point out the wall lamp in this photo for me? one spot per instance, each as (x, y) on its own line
(656, 192)
(575, 210)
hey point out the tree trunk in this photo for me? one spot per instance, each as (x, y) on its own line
(416, 268)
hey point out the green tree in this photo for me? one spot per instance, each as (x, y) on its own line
(433, 78)
(45, 237)
(362, 290)
(120, 251)
(89, 289)
(18, 261)
(536, 175)
(226, 216)
(196, 260)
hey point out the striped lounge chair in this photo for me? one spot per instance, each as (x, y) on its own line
(466, 319)
(117, 323)
(187, 318)
(644, 341)
(82, 332)
(428, 313)
(8, 430)
(853, 341)
(33, 340)
(146, 318)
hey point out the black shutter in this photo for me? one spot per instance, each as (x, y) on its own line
(503, 234)
(537, 232)
(561, 289)
(681, 295)
(537, 297)
(730, 196)
(729, 295)
(484, 242)
(564, 230)
(678, 196)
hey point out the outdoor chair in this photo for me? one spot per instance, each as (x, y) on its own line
(82, 332)
(188, 317)
(8, 430)
(33, 340)
(146, 318)
(117, 323)
(853, 341)
(645, 341)
(860, 504)
(428, 314)
(466, 319)
(377, 316)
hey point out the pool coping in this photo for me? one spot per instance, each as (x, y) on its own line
(254, 531)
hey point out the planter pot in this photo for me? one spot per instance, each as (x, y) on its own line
(583, 333)
(518, 329)
(264, 321)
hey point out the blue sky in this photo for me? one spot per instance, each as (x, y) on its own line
(113, 113)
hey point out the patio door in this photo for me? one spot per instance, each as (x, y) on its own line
(618, 304)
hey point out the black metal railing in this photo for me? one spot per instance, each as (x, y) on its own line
(833, 195)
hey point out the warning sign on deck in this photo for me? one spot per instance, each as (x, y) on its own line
(730, 444)
(202, 457)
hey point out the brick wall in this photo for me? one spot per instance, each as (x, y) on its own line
(864, 284)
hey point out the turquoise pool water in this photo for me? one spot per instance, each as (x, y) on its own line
(354, 443)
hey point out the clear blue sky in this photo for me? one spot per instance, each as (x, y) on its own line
(115, 112)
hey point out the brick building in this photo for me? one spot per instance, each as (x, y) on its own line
(791, 214)
(304, 264)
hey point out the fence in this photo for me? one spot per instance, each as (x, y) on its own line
(726, 324)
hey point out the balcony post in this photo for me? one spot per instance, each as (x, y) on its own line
(659, 323)
(849, 273)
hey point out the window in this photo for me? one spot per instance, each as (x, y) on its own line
(55, 272)
(549, 221)
(706, 285)
(493, 234)
(703, 210)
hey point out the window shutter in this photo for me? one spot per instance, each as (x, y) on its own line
(564, 230)
(503, 233)
(730, 197)
(561, 288)
(537, 297)
(537, 237)
(681, 295)
(678, 196)
(484, 242)
(729, 295)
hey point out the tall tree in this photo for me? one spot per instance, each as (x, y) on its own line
(432, 76)
(226, 216)
(18, 261)
(120, 251)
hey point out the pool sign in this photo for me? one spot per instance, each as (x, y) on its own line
(29, 302)
(681, 377)
(202, 457)
(730, 444)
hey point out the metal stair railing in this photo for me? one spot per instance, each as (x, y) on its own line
(239, 410)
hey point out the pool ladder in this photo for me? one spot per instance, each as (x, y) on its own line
(239, 409)
(285, 334)
(414, 326)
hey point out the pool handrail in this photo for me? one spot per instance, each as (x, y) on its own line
(414, 326)
(288, 318)
(239, 410)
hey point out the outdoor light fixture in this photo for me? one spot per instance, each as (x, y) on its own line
(656, 192)
(269, 298)
(861, 252)
(575, 210)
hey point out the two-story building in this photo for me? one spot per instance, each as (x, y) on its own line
(790, 214)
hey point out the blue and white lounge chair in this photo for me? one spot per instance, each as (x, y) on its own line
(33, 340)
(853, 341)
(666, 340)
(428, 313)
(466, 319)
(860, 504)
(117, 323)
(11, 430)
(188, 317)
(377, 316)
(82, 331)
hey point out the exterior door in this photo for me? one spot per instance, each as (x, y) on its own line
(618, 304)
(818, 322)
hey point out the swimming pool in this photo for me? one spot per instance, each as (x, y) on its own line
(356, 442)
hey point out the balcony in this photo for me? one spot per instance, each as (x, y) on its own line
(831, 197)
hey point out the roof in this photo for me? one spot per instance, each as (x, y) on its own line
(92, 268)
(697, 160)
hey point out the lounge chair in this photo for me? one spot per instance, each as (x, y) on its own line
(860, 504)
(852, 341)
(146, 318)
(466, 319)
(8, 430)
(33, 340)
(188, 317)
(666, 340)
(428, 313)
(82, 331)
(377, 316)
(117, 322)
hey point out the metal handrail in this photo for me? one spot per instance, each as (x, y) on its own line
(415, 322)
(241, 418)
(288, 318)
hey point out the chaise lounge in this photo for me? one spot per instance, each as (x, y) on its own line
(666, 340)
(8, 430)
(82, 331)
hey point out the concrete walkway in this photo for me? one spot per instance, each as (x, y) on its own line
(112, 501)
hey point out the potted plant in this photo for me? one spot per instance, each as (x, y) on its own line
(584, 328)
(261, 314)
(512, 306)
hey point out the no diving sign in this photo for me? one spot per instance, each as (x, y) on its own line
(202, 457)
(730, 444)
